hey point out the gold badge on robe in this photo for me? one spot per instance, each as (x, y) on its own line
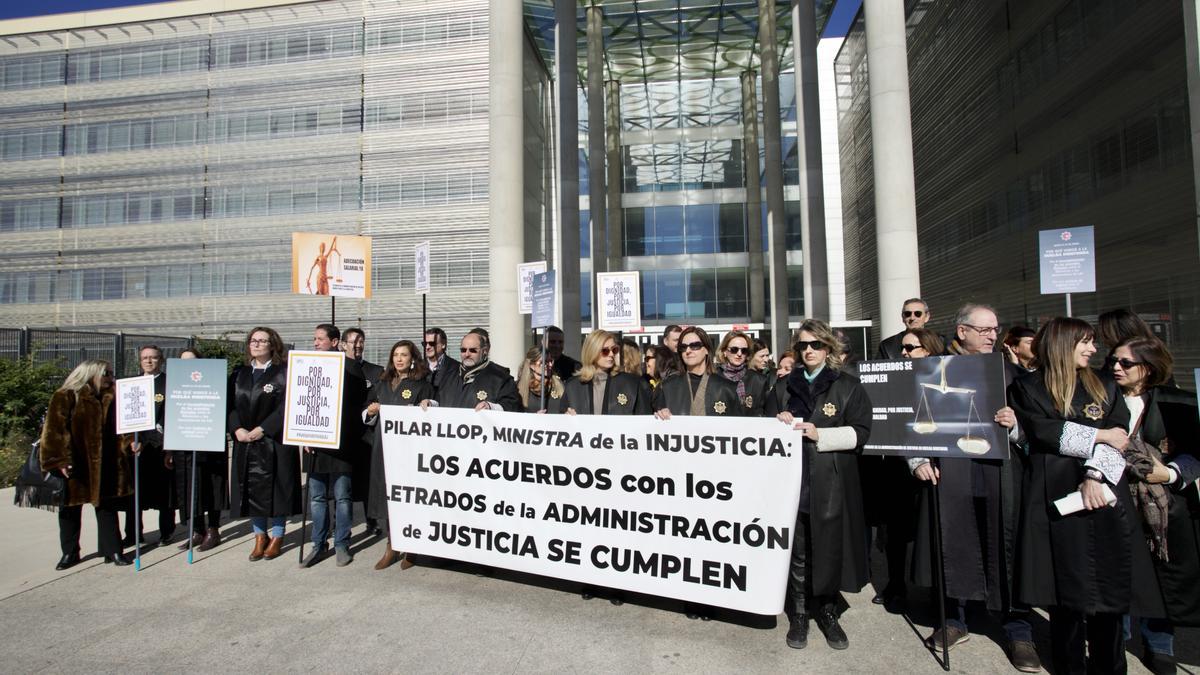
(749, 401)
(158, 398)
(719, 407)
(1093, 411)
(829, 409)
(406, 394)
(622, 399)
(481, 395)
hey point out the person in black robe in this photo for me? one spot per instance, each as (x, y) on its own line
(829, 554)
(156, 477)
(265, 481)
(439, 364)
(538, 386)
(209, 494)
(1162, 474)
(403, 383)
(753, 387)
(476, 384)
(1079, 565)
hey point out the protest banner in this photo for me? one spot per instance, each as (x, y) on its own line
(195, 405)
(331, 264)
(313, 412)
(525, 272)
(619, 300)
(938, 406)
(135, 404)
(684, 508)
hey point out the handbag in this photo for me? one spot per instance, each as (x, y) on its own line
(39, 489)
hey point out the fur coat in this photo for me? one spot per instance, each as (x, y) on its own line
(75, 435)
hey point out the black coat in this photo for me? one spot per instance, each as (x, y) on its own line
(361, 479)
(491, 384)
(624, 394)
(265, 480)
(758, 390)
(720, 398)
(835, 501)
(1171, 414)
(565, 367)
(1086, 561)
(437, 377)
(343, 458)
(890, 347)
(407, 392)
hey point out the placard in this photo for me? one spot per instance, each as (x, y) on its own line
(1068, 260)
(938, 406)
(686, 508)
(313, 413)
(196, 405)
(542, 300)
(421, 271)
(619, 300)
(525, 272)
(135, 404)
(331, 264)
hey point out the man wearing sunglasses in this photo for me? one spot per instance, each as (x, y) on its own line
(440, 363)
(915, 314)
(564, 366)
(477, 383)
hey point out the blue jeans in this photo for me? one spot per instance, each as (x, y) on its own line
(1015, 621)
(318, 495)
(259, 523)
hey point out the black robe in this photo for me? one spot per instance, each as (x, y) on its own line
(156, 483)
(265, 480)
(343, 458)
(758, 390)
(490, 384)
(360, 481)
(1086, 561)
(835, 502)
(407, 392)
(565, 367)
(437, 377)
(624, 394)
(720, 398)
(892, 347)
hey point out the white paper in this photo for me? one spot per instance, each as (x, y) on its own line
(135, 404)
(1074, 501)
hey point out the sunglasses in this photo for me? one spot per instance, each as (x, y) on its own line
(610, 351)
(913, 312)
(469, 350)
(430, 343)
(910, 348)
(107, 373)
(738, 350)
(691, 346)
(1126, 364)
(815, 345)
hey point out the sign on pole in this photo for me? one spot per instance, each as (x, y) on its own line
(195, 406)
(331, 264)
(421, 272)
(313, 414)
(542, 300)
(619, 300)
(525, 272)
(135, 404)
(1068, 260)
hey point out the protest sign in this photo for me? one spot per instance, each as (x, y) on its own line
(542, 300)
(135, 404)
(421, 269)
(1068, 260)
(938, 406)
(195, 406)
(619, 300)
(331, 264)
(684, 508)
(313, 413)
(525, 272)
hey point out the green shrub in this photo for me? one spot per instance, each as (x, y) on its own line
(25, 390)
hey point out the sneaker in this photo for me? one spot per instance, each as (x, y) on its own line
(797, 635)
(1024, 657)
(954, 636)
(827, 621)
(343, 556)
(314, 556)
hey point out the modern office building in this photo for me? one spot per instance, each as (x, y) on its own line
(1031, 116)
(157, 158)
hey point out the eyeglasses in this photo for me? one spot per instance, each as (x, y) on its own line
(469, 350)
(1126, 364)
(691, 346)
(610, 351)
(738, 350)
(260, 342)
(815, 345)
(983, 330)
(913, 312)
(910, 348)
(431, 343)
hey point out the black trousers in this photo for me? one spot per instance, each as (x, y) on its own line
(801, 600)
(70, 522)
(204, 520)
(166, 522)
(1083, 644)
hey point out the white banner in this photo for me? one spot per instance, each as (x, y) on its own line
(684, 508)
(421, 271)
(135, 404)
(619, 300)
(313, 415)
(525, 272)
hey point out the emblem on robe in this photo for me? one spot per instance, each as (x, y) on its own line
(829, 409)
(406, 394)
(1093, 411)
(158, 398)
(481, 395)
(622, 399)
(749, 401)
(719, 407)
(268, 388)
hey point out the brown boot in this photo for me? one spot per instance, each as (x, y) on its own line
(196, 540)
(407, 562)
(260, 547)
(389, 557)
(212, 539)
(274, 548)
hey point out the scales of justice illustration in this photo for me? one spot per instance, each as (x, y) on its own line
(925, 424)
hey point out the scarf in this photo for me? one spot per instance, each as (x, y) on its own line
(599, 384)
(737, 375)
(1151, 499)
(697, 409)
(469, 374)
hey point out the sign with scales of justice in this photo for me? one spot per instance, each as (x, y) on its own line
(972, 445)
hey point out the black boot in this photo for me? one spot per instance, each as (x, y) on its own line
(827, 621)
(797, 635)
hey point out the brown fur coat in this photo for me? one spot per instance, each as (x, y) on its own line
(74, 436)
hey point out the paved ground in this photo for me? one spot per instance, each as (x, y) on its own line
(225, 614)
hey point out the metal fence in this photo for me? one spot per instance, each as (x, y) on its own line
(69, 348)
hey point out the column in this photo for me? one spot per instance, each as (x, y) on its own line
(566, 97)
(1191, 29)
(506, 174)
(891, 151)
(773, 162)
(612, 150)
(754, 224)
(596, 174)
(808, 154)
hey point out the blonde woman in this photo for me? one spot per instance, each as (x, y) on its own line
(537, 391)
(599, 388)
(80, 441)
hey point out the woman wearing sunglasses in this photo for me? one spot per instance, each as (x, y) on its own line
(752, 386)
(599, 388)
(693, 389)
(538, 386)
(1081, 566)
(832, 412)
(1161, 472)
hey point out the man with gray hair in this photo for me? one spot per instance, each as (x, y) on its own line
(915, 314)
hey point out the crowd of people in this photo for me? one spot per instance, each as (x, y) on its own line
(1121, 435)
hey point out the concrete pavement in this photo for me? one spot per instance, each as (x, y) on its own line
(225, 614)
